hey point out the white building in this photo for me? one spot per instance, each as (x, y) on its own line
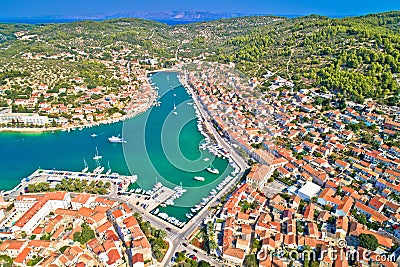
(23, 203)
(24, 118)
(308, 191)
(32, 217)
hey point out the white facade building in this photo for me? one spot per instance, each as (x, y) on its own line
(308, 191)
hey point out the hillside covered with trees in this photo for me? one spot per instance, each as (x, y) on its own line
(353, 57)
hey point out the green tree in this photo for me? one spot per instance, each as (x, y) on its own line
(250, 261)
(85, 235)
(159, 254)
(368, 241)
(6, 260)
(212, 245)
(181, 257)
(204, 264)
(63, 248)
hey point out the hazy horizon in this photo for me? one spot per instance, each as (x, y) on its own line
(64, 8)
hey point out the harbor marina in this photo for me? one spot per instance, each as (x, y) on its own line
(145, 155)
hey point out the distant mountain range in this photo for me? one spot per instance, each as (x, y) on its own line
(169, 17)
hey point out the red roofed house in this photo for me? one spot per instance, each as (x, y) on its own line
(258, 176)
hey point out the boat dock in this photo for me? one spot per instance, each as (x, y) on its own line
(149, 200)
(120, 182)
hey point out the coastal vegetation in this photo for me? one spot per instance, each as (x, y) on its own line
(72, 185)
(354, 57)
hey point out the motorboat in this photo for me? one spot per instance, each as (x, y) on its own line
(199, 178)
(212, 169)
(116, 139)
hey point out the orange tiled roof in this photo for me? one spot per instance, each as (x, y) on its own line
(20, 259)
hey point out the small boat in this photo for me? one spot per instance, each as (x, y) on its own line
(116, 139)
(199, 178)
(133, 179)
(212, 169)
(93, 135)
(206, 159)
(99, 169)
(174, 112)
(86, 166)
(97, 156)
(179, 189)
(109, 169)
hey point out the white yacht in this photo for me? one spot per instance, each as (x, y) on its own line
(109, 169)
(99, 169)
(199, 178)
(212, 169)
(116, 139)
(179, 189)
(174, 112)
(93, 135)
(86, 166)
(97, 156)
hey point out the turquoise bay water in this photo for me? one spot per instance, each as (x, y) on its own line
(160, 146)
(163, 146)
(21, 154)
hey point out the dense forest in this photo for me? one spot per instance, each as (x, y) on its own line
(356, 57)
(353, 57)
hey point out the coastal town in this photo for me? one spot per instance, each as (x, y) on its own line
(335, 167)
(58, 229)
(311, 177)
(322, 180)
(71, 100)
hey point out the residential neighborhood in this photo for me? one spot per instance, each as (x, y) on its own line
(58, 229)
(337, 163)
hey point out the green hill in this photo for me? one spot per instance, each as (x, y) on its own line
(354, 57)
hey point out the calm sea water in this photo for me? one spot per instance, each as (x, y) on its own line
(161, 146)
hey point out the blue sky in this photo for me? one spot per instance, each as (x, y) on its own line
(28, 8)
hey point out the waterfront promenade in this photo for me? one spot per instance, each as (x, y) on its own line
(54, 176)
